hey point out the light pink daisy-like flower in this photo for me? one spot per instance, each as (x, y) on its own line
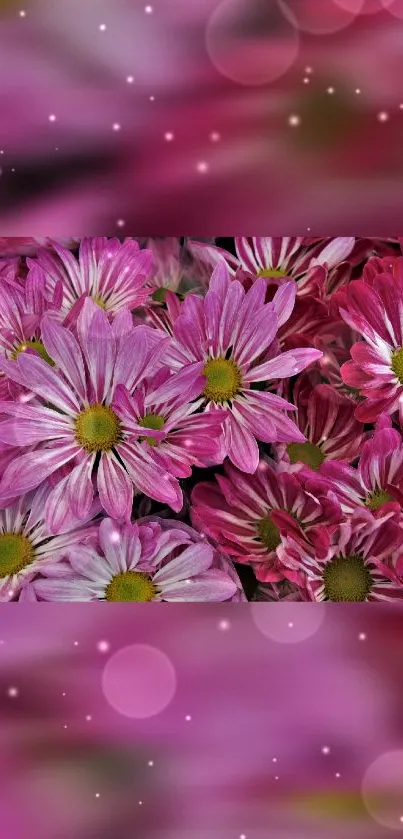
(162, 403)
(229, 330)
(326, 418)
(248, 515)
(112, 273)
(378, 478)
(80, 420)
(22, 305)
(26, 545)
(141, 562)
(354, 567)
(375, 310)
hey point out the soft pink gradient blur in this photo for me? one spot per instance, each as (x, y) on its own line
(255, 737)
(177, 120)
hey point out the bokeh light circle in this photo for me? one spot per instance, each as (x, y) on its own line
(317, 17)
(382, 790)
(289, 623)
(363, 7)
(139, 681)
(395, 7)
(250, 41)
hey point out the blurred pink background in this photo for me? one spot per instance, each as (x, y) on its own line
(250, 722)
(208, 117)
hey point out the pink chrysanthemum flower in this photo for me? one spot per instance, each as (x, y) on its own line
(354, 567)
(375, 310)
(27, 546)
(378, 478)
(248, 515)
(79, 419)
(22, 305)
(112, 273)
(190, 438)
(141, 562)
(277, 592)
(229, 330)
(327, 420)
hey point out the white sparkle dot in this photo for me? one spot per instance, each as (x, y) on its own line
(168, 136)
(22, 13)
(202, 167)
(103, 646)
(116, 126)
(97, 794)
(400, 106)
(290, 625)
(337, 775)
(151, 763)
(148, 10)
(215, 137)
(140, 803)
(130, 79)
(76, 643)
(358, 90)
(308, 229)
(274, 760)
(276, 777)
(63, 694)
(120, 222)
(88, 718)
(383, 116)
(188, 718)
(306, 80)
(330, 90)
(102, 27)
(362, 636)
(52, 117)
(224, 625)
(12, 692)
(242, 836)
(401, 819)
(152, 98)
(294, 120)
(308, 70)
(65, 726)
(115, 537)
(325, 750)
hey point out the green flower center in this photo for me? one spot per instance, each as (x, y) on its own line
(98, 300)
(269, 534)
(223, 379)
(275, 273)
(34, 345)
(397, 364)
(347, 579)
(16, 552)
(155, 421)
(131, 586)
(305, 453)
(98, 429)
(377, 498)
(160, 294)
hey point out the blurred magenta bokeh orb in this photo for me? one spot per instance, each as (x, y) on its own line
(395, 7)
(139, 681)
(291, 623)
(320, 18)
(250, 41)
(382, 790)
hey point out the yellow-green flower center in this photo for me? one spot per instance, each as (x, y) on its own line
(397, 364)
(98, 300)
(160, 294)
(155, 421)
(347, 579)
(34, 345)
(306, 453)
(274, 273)
(98, 429)
(223, 379)
(16, 552)
(131, 586)
(377, 498)
(269, 534)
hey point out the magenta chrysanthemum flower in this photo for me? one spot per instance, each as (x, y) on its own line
(22, 305)
(141, 562)
(354, 565)
(248, 515)
(327, 420)
(229, 331)
(112, 273)
(378, 478)
(276, 592)
(79, 418)
(376, 370)
(27, 546)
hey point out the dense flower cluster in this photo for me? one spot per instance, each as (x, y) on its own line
(178, 416)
